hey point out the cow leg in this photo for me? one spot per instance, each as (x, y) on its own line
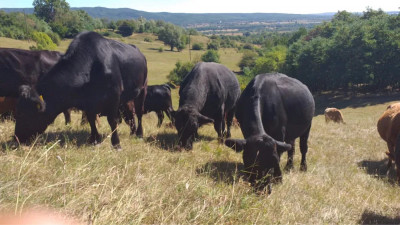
(304, 149)
(139, 108)
(219, 125)
(94, 134)
(289, 164)
(390, 155)
(113, 121)
(67, 116)
(160, 116)
(229, 119)
(168, 112)
(128, 113)
(397, 158)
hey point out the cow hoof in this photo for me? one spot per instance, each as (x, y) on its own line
(92, 142)
(288, 167)
(139, 134)
(117, 147)
(303, 168)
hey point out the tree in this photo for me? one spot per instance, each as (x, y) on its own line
(48, 9)
(112, 25)
(171, 35)
(126, 29)
(248, 59)
(273, 61)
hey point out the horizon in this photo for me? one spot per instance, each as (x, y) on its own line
(224, 6)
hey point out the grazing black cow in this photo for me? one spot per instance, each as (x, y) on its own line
(22, 67)
(96, 75)
(158, 99)
(273, 108)
(207, 94)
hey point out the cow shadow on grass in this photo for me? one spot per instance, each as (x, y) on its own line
(222, 171)
(378, 169)
(78, 138)
(369, 217)
(166, 141)
(344, 100)
(169, 141)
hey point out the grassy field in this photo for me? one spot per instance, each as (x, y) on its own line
(148, 182)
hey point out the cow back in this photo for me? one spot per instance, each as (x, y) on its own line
(158, 98)
(389, 123)
(92, 71)
(22, 67)
(275, 104)
(207, 87)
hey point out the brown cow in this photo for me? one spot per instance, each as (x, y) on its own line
(389, 129)
(7, 105)
(333, 114)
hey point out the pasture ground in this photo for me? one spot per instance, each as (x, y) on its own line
(148, 182)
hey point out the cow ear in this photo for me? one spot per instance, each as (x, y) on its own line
(236, 144)
(282, 147)
(204, 119)
(26, 92)
(41, 105)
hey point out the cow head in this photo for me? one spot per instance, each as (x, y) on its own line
(30, 118)
(187, 121)
(261, 156)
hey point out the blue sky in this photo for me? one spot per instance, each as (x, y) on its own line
(225, 6)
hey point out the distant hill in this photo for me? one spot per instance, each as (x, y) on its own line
(190, 19)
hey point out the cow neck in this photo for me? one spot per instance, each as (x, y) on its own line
(252, 120)
(249, 113)
(63, 80)
(194, 95)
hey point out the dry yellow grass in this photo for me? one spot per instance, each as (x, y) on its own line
(148, 182)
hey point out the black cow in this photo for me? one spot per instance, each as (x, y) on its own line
(207, 94)
(273, 108)
(158, 99)
(96, 75)
(22, 67)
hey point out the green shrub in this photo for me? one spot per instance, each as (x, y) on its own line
(160, 49)
(147, 39)
(198, 46)
(210, 56)
(54, 37)
(248, 46)
(180, 71)
(214, 45)
(126, 29)
(272, 61)
(14, 33)
(43, 42)
(248, 59)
